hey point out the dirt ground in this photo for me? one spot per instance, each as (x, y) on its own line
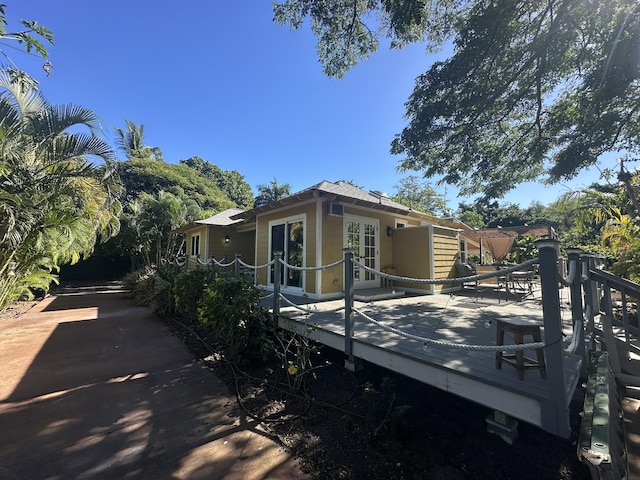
(374, 424)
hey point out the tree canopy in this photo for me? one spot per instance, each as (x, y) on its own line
(271, 192)
(533, 89)
(33, 39)
(152, 176)
(54, 202)
(420, 195)
(231, 182)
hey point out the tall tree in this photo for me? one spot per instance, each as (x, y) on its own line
(148, 221)
(533, 89)
(32, 38)
(231, 182)
(271, 192)
(152, 176)
(54, 203)
(130, 140)
(420, 195)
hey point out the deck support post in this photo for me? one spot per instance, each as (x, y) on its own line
(503, 425)
(276, 284)
(554, 409)
(350, 362)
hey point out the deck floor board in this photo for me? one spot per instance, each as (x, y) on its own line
(458, 318)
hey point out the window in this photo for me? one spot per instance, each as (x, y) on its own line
(463, 251)
(195, 245)
(288, 237)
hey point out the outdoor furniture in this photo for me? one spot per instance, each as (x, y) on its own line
(518, 329)
(522, 282)
(496, 283)
(465, 270)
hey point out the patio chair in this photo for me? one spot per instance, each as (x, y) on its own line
(465, 270)
(496, 283)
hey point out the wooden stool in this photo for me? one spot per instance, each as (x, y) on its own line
(519, 328)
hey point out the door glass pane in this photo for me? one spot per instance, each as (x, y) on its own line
(288, 238)
(277, 245)
(369, 249)
(294, 253)
(353, 241)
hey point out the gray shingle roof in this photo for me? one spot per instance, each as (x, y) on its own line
(223, 218)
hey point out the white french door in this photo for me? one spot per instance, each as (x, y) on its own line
(361, 234)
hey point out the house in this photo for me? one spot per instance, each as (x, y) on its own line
(218, 236)
(312, 227)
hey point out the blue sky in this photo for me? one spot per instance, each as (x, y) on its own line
(222, 81)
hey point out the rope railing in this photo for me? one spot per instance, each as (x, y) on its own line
(219, 263)
(444, 281)
(453, 346)
(255, 267)
(571, 276)
(312, 269)
(179, 261)
(307, 311)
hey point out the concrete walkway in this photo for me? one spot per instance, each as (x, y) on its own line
(92, 386)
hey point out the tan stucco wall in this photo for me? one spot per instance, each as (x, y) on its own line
(407, 250)
(212, 244)
(332, 280)
(333, 243)
(411, 255)
(242, 243)
(202, 231)
(262, 246)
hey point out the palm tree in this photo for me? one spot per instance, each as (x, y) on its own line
(130, 141)
(149, 220)
(54, 203)
(271, 192)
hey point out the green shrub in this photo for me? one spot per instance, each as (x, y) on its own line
(229, 308)
(189, 287)
(153, 288)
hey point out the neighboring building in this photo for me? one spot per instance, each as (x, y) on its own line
(312, 228)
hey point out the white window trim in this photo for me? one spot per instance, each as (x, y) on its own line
(193, 241)
(398, 221)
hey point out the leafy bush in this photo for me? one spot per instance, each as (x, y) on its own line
(189, 287)
(229, 307)
(153, 288)
(629, 265)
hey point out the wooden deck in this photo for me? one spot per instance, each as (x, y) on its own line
(459, 318)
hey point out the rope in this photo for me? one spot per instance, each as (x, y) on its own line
(312, 269)
(297, 307)
(179, 262)
(571, 276)
(255, 267)
(442, 281)
(454, 346)
(220, 264)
